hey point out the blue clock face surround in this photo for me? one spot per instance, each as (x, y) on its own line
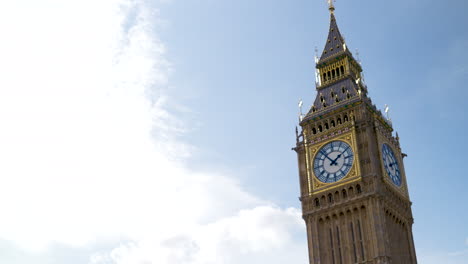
(391, 164)
(333, 161)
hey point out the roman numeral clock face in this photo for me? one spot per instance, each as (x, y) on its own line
(391, 164)
(333, 161)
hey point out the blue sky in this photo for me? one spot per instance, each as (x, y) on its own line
(161, 131)
(257, 58)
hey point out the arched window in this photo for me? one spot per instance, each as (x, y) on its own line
(325, 77)
(337, 72)
(338, 121)
(358, 188)
(345, 119)
(329, 75)
(314, 131)
(345, 195)
(342, 70)
(326, 126)
(332, 123)
(333, 73)
(317, 202)
(330, 198)
(320, 128)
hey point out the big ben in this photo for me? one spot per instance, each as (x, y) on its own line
(353, 186)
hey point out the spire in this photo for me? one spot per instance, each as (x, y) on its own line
(339, 74)
(335, 42)
(331, 6)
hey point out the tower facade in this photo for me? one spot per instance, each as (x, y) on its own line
(353, 187)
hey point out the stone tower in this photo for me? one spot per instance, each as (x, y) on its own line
(354, 192)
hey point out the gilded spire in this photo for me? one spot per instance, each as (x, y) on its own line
(331, 6)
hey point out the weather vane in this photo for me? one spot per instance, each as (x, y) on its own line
(387, 109)
(300, 110)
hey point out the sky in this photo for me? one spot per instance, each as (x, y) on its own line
(160, 131)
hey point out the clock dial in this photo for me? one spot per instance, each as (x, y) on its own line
(333, 161)
(391, 164)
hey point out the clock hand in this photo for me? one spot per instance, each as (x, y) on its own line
(339, 156)
(334, 161)
(326, 156)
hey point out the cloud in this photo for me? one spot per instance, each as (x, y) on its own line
(262, 230)
(90, 149)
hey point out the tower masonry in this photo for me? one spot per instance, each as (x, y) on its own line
(353, 187)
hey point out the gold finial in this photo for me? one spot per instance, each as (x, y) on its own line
(331, 6)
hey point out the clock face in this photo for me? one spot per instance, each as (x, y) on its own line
(391, 164)
(333, 161)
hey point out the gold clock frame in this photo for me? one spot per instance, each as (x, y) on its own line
(354, 173)
(403, 189)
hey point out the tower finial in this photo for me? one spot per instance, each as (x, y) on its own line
(331, 6)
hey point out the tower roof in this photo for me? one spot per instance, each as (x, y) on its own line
(335, 42)
(339, 78)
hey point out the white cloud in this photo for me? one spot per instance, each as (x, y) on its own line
(87, 145)
(262, 230)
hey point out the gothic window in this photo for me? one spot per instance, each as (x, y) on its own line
(332, 246)
(353, 241)
(342, 70)
(361, 240)
(317, 202)
(344, 194)
(337, 196)
(325, 77)
(333, 73)
(358, 188)
(338, 241)
(329, 75)
(338, 72)
(330, 198)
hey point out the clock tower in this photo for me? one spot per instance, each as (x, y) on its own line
(353, 187)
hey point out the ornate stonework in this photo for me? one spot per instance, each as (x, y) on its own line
(363, 216)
